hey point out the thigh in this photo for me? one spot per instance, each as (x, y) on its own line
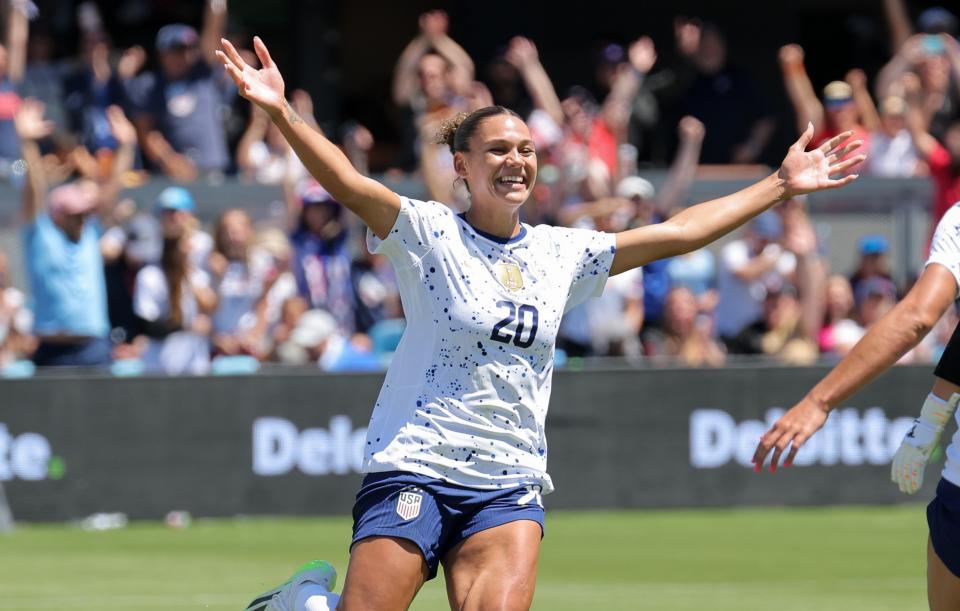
(494, 569)
(943, 587)
(384, 573)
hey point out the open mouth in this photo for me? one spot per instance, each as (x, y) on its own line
(512, 182)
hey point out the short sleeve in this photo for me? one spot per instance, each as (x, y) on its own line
(418, 228)
(590, 256)
(945, 248)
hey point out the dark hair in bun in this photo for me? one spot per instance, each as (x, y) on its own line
(456, 131)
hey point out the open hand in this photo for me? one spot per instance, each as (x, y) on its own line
(793, 429)
(263, 87)
(804, 171)
(29, 121)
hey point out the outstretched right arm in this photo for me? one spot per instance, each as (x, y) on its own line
(374, 203)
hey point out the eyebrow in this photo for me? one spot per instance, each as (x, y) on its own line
(510, 142)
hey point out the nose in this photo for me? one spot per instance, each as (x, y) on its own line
(513, 157)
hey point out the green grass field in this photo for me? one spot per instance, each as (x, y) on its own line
(845, 559)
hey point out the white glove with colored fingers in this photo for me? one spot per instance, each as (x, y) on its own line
(919, 442)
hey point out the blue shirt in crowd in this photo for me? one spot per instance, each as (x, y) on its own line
(66, 279)
(187, 112)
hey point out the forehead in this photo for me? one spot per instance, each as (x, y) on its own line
(503, 127)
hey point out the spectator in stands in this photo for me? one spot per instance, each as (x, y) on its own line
(747, 267)
(793, 302)
(263, 155)
(13, 57)
(931, 58)
(16, 321)
(873, 298)
(240, 274)
(839, 332)
(62, 249)
(943, 159)
(430, 78)
(321, 256)
(176, 208)
(281, 286)
(726, 100)
(873, 261)
(836, 114)
(174, 302)
(178, 106)
(685, 335)
(126, 250)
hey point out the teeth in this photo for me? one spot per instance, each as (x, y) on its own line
(514, 179)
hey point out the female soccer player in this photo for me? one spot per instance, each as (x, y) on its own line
(456, 455)
(890, 338)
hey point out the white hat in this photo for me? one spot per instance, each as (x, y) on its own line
(634, 186)
(313, 328)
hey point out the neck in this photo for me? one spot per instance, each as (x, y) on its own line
(504, 224)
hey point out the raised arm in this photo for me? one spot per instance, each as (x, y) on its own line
(916, 120)
(952, 52)
(890, 338)
(899, 64)
(435, 26)
(524, 57)
(31, 127)
(806, 105)
(869, 117)
(683, 170)
(213, 29)
(374, 203)
(642, 55)
(801, 172)
(125, 134)
(18, 29)
(898, 21)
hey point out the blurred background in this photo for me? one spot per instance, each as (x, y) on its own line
(190, 327)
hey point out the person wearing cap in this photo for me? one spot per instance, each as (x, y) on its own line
(837, 112)
(873, 263)
(176, 210)
(322, 263)
(178, 106)
(63, 261)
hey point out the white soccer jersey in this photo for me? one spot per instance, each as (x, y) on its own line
(465, 398)
(945, 250)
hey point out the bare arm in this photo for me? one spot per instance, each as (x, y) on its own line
(405, 72)
(642, 55)
(255, 132)
(18, 30)
(890, 338)
(683, 170)
(898, 65)
(806, 105)
(524, 57)
(214, 28)
(869, 117)
(374, 203)
(952, 52)
(801, 172)
(125, 134)
(31, 127)
(916, 120)
(899, 23)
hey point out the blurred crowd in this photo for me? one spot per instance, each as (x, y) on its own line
(154, 290)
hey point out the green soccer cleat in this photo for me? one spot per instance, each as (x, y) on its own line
(279, 598)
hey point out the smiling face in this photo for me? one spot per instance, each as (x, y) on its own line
(501, 166)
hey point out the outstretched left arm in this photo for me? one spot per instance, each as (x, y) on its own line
(801, 172)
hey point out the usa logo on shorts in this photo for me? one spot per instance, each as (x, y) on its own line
(408, 505)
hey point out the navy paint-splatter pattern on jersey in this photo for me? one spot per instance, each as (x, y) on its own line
(466, 395)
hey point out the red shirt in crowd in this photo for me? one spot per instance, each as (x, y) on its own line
(947, 185)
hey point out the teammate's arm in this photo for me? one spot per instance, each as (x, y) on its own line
(890, 338)
(801, 172)
(374, 203)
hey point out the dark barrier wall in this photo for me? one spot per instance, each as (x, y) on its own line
(292, 443)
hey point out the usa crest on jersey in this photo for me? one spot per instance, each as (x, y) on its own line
(509, 275)
(408, 504)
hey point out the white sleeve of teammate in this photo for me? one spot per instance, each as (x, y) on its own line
(945, 248)
(417, 228)
(588, 256)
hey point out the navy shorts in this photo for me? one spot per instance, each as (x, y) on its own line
(434, 514)
(943, 518)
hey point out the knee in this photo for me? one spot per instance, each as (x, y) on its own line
(504, 594)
